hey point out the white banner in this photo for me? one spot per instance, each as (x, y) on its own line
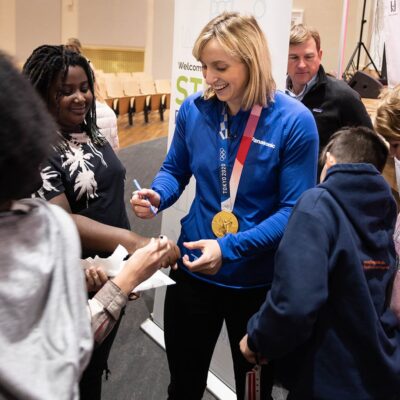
(190, 17)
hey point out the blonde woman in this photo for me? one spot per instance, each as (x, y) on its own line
(240, 130)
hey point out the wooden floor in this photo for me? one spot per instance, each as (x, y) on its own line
(141, 131)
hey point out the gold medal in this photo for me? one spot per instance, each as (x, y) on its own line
(224, 222)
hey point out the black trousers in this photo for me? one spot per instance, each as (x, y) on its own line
(193, 316)
(91, 381)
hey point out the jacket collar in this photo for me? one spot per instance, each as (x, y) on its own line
(321, 76)
(321, 79)
(210, 109)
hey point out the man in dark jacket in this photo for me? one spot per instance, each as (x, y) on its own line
(333, 103)
(325, 323)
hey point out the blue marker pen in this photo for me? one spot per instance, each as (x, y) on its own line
(138, 187)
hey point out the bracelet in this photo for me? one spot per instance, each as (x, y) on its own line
(133, 296)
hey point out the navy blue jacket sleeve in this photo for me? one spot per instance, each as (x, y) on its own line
(299, 289)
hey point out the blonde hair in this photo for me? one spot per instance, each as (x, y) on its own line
(241, 37)
(387, 119)
(300, 33)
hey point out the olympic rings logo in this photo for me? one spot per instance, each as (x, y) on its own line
(222, 154)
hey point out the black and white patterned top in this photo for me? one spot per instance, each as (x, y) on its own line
(92, 178)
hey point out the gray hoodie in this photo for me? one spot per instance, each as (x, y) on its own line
(45, 333)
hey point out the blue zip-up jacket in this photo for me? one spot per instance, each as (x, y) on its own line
(280, 165)
(326, 322)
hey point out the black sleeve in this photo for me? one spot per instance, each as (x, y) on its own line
(354, 112)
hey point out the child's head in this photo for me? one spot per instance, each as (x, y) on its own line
(65, 81)
(26, 133)
(354, 145)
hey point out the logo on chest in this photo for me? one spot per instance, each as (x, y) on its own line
(375, 264)
(263, 143)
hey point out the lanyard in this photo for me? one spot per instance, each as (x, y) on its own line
(229, 189)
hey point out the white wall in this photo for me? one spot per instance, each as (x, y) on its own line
(163, 38)
(37, 22)
(69, 19)
(26, 24)
(118, 23)
(8, 40)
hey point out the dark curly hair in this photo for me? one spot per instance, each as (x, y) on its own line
(27, 131)
(46, 64)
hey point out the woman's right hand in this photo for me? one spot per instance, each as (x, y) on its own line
(144, 202)
(144, 262)
(158, 253)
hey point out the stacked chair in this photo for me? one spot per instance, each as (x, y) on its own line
(163, 87)
(130, 93)
(115, 91)
(137, 101)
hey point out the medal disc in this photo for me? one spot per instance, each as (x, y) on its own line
(224, 222)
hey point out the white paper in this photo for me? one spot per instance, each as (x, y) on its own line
(156, 280)
(113, 264)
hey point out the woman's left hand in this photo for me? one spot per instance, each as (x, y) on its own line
(95, 278)
(211, 259)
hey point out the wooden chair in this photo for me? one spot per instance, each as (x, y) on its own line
(120, 103)
(137, 102)
(153, 99)
(124, 75)
(102, 87)
(140, 76)
(163, 87)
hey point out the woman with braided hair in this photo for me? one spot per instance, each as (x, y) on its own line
(82, 175)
